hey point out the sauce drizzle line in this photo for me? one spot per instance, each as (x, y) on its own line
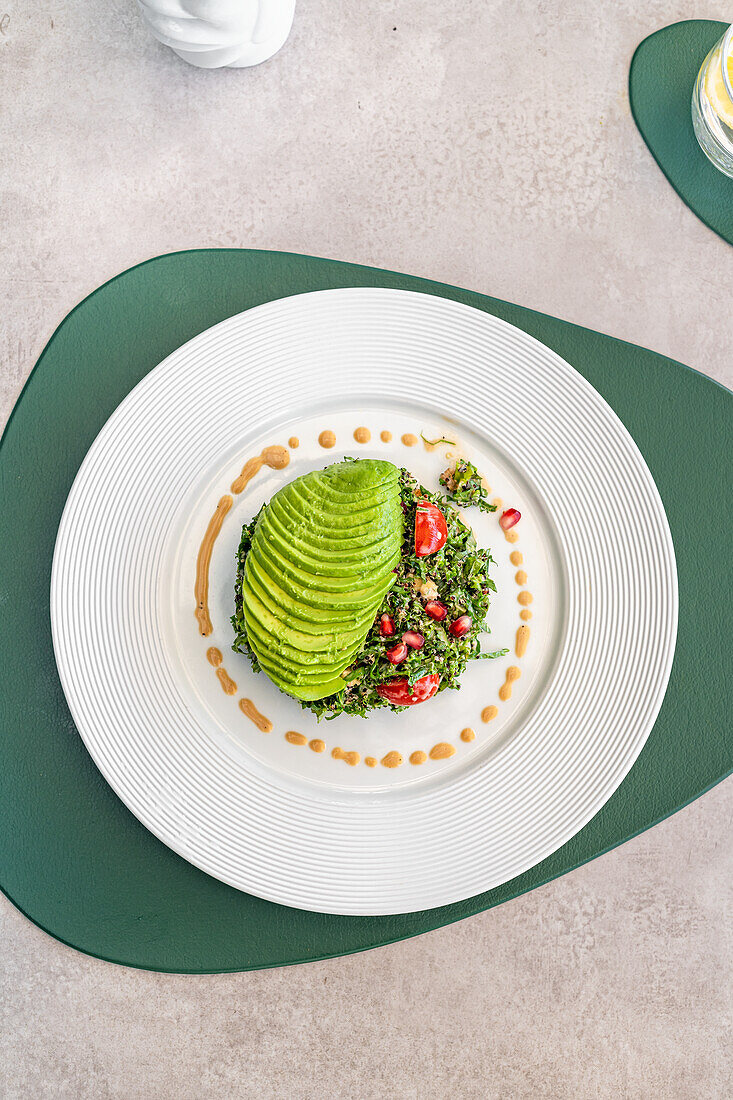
(277, 458)
(201, 587)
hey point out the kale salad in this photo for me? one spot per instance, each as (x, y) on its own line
(428, 622)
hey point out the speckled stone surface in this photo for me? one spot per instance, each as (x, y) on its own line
(486, 144)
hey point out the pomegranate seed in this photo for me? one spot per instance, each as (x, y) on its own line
(397, 653)
(436, 610)
(413, 639)
(386, 626)
(461, 626)
(509, 518)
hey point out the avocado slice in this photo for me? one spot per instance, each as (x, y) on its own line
(304, 685)
(329, 643)
(312, 672)
(336, 540)
(320, 545)
(343, 512)
(315, 560)
(325, 600)
(354, 621)
(262, 579)
(358, 588)
(320, 562)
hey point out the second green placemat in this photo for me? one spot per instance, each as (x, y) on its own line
(661, 80)
(71, 855)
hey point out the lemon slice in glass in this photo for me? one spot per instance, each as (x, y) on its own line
(715, 86)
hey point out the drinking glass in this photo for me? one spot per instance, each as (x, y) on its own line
(712, 104)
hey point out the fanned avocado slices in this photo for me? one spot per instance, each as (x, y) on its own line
(322, 558)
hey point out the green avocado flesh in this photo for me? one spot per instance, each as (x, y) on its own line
(322, 558)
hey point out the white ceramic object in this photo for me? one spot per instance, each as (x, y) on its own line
(215, 33)
(276, 819)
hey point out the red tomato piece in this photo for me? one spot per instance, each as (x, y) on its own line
(431, 530)
(398, 693)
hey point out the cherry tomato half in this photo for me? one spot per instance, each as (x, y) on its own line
(398, 694)
(431, 530)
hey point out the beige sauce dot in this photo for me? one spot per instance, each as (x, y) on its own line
(317, 745)
(327, 439)
(386, 437)
(201, 586)
(468, 734)
(351, 758)
(512, 674)
(392, 759)
(293, 442)
(497, 502)
(276, 457)
(520, 576)
(442, 751)
(409, 439)
(227, 684)
(526, 614)
(516, 557)
(371, 761)
(520, 645)
(248, 708)
(213, 656)
(525, 598)
(362, 435)
(488, 714)
(296, 738)
(418, 757)
(511, 535)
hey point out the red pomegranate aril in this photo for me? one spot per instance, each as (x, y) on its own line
(461, 626)
(436, 610)
(397, 653)
(509, 518)
(413, 639)
(386, 626)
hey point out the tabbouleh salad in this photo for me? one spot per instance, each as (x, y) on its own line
(428, 625)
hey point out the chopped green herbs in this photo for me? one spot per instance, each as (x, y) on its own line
(457, 575)
(464, 486)
(437, 442)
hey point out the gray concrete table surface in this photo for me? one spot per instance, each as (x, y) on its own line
(488, 144)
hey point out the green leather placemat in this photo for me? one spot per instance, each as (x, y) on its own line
(71, 855)
(663, 73)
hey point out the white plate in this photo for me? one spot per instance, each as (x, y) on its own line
(304, 828)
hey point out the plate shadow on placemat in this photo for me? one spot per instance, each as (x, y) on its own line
(72, 857)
